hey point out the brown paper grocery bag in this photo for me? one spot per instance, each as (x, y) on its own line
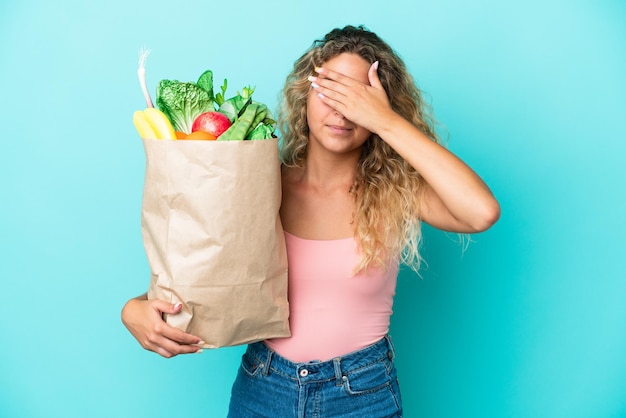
(214, 240)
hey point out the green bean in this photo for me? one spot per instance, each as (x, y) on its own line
(239, 129)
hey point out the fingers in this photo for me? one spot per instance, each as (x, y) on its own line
(337, 79)
(327, 74)
(326, 88)
(165, 307)
(332, 84)
(180, 337)
(170, 332)
(340, 90)
(336, 91)
(328, 96)
(144, 320)
(361, 102)
(169, 342)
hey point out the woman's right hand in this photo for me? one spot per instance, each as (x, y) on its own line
(144, 320)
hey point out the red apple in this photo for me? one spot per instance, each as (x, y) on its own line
(214, 123)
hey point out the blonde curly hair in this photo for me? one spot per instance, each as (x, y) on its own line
(388, 191)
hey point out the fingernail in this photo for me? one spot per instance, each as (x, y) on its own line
(375, 65)
(311, 78)
(321, 96)
(201, 342)
(319, 69)
(178, 305)
(314, 85)
(199, 351)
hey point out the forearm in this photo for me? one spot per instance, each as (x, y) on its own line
(454, 185)
(129, 303)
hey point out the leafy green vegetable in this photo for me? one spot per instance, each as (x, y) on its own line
(254, 123)
(219, 97)
(233, 107)
(262, 131)
(205, 82)
(182, 102)
(246, 92)
(261, 113)
(236, 105)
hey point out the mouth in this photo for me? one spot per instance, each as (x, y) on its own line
(339, 129)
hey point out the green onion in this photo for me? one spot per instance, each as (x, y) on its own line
(141, 72)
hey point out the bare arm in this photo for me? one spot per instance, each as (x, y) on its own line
(144, 320)
(457, 199)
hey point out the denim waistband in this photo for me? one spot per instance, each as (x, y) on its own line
(313, 372)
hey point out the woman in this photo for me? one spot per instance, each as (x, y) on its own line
(362, 168)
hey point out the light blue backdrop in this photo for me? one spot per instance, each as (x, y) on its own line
(529, 321)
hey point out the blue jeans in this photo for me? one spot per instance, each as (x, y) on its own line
(360, 384)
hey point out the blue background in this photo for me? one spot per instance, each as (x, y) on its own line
(528, 321)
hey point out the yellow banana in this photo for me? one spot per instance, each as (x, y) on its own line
(152, 123)
(160, 123)
(142, 125)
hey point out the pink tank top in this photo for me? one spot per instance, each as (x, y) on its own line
(333, 312)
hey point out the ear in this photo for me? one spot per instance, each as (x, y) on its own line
(372, 74)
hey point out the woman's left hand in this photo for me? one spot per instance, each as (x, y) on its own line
(362, 104)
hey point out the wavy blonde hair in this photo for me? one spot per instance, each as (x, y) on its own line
(388, 191)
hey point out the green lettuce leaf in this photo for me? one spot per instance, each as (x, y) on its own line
(182, 102)
(205, 82)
